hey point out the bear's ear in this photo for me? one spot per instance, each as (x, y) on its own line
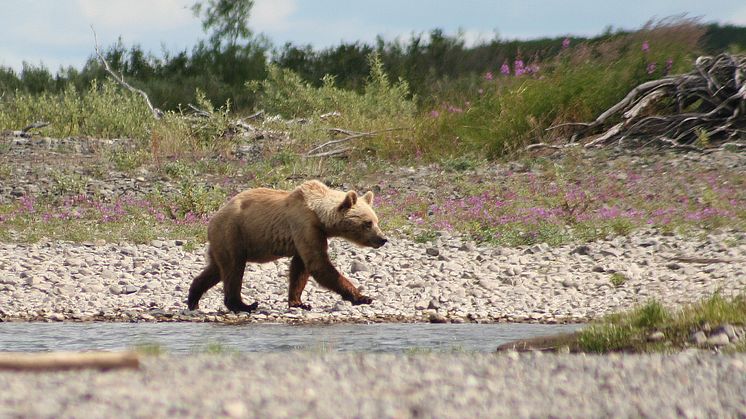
(368, 197)
(349, 201)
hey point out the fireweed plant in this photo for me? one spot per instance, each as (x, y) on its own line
(571, 205)
(511, 106)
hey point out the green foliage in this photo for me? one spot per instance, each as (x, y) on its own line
(103, 111)
(576, 85)
(196, 199)
(629, 331)
(382, 105)
(126, 160)
(64, 184)
(285, 93)
(150, 349)
(618, 279)
(227, 19)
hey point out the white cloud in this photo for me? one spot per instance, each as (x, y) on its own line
(117, 15)
(272, 15)
(476, 37)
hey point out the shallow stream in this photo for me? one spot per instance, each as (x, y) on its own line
(206, 337)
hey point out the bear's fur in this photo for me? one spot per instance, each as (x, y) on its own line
(261, 225)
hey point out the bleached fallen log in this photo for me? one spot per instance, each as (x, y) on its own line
(53, 361)
(351, 135)
(697, 111)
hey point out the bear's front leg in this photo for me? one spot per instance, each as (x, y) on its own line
(328, 277)
(298, 279)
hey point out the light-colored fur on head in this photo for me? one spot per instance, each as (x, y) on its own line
(342, 213)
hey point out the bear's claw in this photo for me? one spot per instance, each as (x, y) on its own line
(362, 300)
(300, 305)
(240, 306)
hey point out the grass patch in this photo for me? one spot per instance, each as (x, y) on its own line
(630, 331)
(149, 349)
(617, 279)
(215, 348)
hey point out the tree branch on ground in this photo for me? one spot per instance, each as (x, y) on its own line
(700, 110)
(351, 135)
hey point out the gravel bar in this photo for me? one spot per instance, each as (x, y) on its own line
(328, 385)
(448, 280)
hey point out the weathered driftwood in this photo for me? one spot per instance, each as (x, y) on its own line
(350, 135)
(67, 360)
(157, 113)
(701, 109)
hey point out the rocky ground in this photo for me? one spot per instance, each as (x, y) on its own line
(448, 279)
(691, 384)
(445, 280)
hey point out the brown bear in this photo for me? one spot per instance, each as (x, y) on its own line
(261, 225)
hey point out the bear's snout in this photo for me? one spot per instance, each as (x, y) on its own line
(379, 241)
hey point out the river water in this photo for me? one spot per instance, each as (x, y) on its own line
(205, 337)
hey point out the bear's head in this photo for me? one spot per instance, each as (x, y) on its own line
(345, 215)
(358, 222)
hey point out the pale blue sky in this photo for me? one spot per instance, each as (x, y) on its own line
(56, 32)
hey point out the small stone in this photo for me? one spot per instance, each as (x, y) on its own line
(728, 329)
(58, 317)
(434, 304)
(115, 289)
(358, 266)
(598, 268)
(488, 284)
(432, 251)
(673, 266)
(236, 409)
(437, 318)
(569, 284)
(656, 336)
(129, 289)
(421, 305)
(718, 339)
(156, 243)
(581, 250)
(698, 338)
(467, 247)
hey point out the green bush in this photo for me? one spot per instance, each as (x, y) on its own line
(382, 105)
(576, 86)
(104, 110)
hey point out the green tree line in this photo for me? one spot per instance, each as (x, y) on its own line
(232, 55)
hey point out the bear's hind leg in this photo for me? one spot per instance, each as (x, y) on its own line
(298, 279)
(232, 281)
(203, 282)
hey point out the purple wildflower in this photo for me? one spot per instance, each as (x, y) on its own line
(434, 114)
(651, 68)
(669, 66)
(489, 76)
(566, 43)
(645, 46)
(505, 69)
(519, 67)
(454, 109)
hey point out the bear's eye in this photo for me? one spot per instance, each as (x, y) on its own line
(368, 224)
